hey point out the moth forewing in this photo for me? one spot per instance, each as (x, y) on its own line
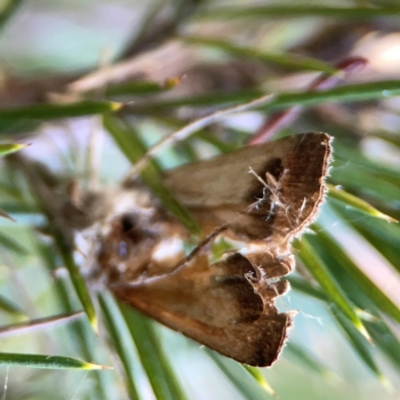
(228, 305)
(218, 190)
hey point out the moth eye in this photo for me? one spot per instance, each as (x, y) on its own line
(123, 250)
(128, 222)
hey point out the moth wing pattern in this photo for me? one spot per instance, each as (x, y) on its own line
(298, 165)
(227, 305)
(219, 308)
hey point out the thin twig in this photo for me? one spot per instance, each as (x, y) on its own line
(280, 119)
(39, 323)
(195, 126)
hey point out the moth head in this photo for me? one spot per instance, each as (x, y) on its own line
(135, 235)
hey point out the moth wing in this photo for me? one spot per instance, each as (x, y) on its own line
(216, 306)
(229, 305)
(216, 190)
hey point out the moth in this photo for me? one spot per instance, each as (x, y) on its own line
(256, 199)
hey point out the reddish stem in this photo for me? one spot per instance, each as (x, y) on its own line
(326, 81)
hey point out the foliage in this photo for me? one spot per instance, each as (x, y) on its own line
(348, 262)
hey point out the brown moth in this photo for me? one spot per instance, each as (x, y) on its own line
(225, 304)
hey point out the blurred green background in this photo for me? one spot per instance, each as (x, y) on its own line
(274, 49)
